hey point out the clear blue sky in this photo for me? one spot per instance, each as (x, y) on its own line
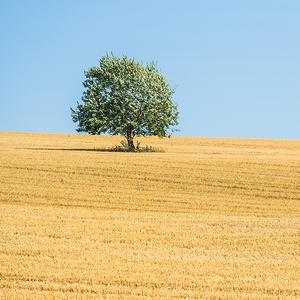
(235, 64)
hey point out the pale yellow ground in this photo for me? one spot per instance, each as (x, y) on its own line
(207, 218)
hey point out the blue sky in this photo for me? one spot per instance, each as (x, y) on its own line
(235, 64)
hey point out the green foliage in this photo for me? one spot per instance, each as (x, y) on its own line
(125, 97)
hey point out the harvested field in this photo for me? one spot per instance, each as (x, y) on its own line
(206, 218)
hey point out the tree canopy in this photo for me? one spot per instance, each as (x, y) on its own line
(125, 97)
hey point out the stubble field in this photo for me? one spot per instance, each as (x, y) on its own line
(206, 218)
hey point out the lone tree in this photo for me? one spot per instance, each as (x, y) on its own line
(125, 97)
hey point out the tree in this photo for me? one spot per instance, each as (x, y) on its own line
(128, 98)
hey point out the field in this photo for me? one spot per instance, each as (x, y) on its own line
(206, 218)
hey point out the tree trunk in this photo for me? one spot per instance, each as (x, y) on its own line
(130, 143)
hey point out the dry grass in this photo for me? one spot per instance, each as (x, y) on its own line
(208, 218)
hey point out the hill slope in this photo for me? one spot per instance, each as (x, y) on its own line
(206, 218)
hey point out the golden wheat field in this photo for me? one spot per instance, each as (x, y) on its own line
(206, 218)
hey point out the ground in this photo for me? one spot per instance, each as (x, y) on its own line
(206, 218)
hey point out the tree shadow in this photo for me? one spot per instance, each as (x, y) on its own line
(111, 149)
(79, 149)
